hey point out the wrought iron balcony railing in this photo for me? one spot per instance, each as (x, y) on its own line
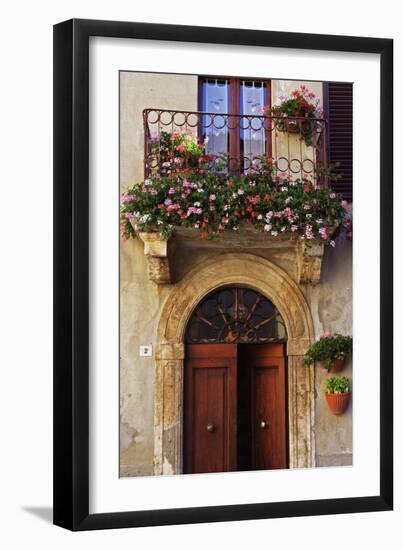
(232, 143)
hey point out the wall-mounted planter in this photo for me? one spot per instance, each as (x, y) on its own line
(337, 402)
(338, 365)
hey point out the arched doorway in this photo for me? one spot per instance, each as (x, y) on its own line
(235, 401)
(261, 275)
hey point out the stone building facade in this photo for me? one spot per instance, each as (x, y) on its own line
(312, 290)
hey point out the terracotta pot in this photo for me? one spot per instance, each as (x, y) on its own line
(293, 126)
(337, 402)
(338, 364)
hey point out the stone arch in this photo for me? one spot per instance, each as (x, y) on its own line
(273, 282)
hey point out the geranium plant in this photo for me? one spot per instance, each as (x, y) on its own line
(301, 103)
(214, 202)
(328, 349)
(176, 151)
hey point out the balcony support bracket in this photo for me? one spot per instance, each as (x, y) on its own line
(156, 253)
(309, 261)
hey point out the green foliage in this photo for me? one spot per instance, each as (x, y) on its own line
(214, 202)
(328, 348)
(337, 384)
(174, 151)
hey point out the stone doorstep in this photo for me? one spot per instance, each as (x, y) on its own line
(158, 252)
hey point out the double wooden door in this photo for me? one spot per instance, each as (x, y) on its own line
(235, 407)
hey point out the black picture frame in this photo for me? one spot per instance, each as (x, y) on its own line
(71, 274)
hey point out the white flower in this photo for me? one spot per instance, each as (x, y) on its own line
(159, 222)
(283, 228)
(241, 191)
(269, 215)
(267, 227)
(196, 204)
(284, 188)
(288, 200)
(260, 217)
(274, 233)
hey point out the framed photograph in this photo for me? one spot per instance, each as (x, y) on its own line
(223, 254)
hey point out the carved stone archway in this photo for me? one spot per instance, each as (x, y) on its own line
(273, 282)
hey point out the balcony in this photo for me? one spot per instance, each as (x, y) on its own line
(181, 142)
(235, 143)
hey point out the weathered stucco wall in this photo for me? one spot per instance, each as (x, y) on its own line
(331, 309)
(142, 300)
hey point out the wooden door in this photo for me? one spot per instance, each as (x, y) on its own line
(234, 407)
(210, 408)
(262, 443)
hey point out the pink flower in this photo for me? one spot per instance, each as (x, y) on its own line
(344, 204)
(212, 198)
(127, 198)
(332, 243)
(327, 335)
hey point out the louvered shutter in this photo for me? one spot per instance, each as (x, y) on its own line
(340, 134)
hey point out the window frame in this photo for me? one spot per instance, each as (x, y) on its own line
(234, 142)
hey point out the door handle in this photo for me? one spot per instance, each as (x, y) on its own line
(210, 428)
(263, 424)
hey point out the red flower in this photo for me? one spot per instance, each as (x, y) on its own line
(203, 234)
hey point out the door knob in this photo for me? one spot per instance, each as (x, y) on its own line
(210, 428)
(263, 424)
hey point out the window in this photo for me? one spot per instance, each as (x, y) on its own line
(234, 126)
(235, 315)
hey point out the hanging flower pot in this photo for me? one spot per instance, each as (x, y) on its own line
(337, 402)
(331, 351)
(337, 394)
(338, 364)
(293, 126)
